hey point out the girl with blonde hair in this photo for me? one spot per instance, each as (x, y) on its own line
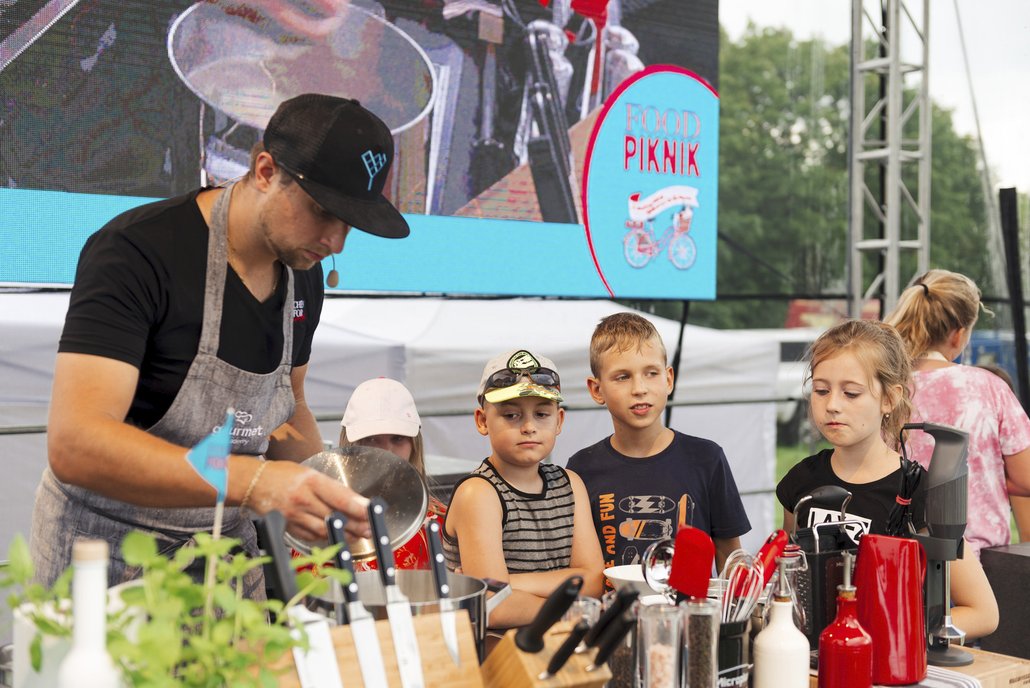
(381, 413)
(936, 316)
(860, 377)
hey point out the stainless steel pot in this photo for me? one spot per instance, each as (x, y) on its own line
(467, 593)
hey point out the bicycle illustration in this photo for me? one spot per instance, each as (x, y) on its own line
(641, 244)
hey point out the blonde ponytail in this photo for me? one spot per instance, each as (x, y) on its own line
(935, 305)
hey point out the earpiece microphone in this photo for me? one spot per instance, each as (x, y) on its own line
(333, 278)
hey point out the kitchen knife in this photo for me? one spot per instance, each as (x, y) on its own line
(611, 638)
(316, 666)
(280, 578)
(405, 645)
(531, 638)
(362, 625)
(562, 654)
(624, 598)
(436, 562)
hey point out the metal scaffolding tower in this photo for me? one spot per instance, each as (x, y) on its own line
(894, 156)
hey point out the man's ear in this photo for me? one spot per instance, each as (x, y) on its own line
(480, 418)
(264, 170)
(594, 387)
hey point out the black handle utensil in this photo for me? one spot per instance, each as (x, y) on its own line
(280, 577)
(566, 650)
(531, 638)
(624, 598)
(334, 524)
(611, 638)
(443, 589)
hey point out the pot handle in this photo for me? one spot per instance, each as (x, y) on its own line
(500, 590)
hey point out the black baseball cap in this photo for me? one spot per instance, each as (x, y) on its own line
(340, 153)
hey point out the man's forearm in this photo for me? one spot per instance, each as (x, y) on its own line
(298, 438)
(123, 462)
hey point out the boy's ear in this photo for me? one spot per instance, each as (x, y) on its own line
(480, 417)
(594, 387)
(670, 378)
(561, 419)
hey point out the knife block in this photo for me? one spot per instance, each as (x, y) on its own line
(509, 667)
(437, 667)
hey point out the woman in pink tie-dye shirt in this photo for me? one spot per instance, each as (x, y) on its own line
(935, 317)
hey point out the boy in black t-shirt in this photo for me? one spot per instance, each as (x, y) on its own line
(645, 480)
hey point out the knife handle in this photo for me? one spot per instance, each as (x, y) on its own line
(563, 653)
(282, 579)
(531, 638)
(334, 524)
(381, 540)
(624, 598)
(610, 640)
(436, 559)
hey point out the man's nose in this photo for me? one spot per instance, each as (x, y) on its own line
(337, 238)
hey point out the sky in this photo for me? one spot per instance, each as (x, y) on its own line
(997, 36)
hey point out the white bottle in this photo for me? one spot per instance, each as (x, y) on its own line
(781, 651)
(87, 664)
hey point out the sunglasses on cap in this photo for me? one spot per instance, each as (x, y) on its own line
(511, 376)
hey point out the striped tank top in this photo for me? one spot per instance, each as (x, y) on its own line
(536, 528)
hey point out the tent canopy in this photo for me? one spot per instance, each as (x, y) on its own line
(438, 347)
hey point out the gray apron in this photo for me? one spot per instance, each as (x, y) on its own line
(263, 402)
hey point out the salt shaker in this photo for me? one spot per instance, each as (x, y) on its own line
(659, 641)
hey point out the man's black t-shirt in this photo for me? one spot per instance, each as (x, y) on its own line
(139, 298)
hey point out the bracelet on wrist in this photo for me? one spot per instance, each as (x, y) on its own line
(253, 484)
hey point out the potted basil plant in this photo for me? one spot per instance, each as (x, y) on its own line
(158, 633)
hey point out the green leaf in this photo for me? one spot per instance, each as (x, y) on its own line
(268, 678)
(62, 587)
(36, 652)
(176, 645)
(50, 626)
(340, 575)
(19, 561)
(139, 549)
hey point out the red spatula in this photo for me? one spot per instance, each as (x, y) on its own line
(692, 560)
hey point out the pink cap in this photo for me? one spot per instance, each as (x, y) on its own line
(380, 406)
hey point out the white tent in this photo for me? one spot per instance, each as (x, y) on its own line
(438, 347)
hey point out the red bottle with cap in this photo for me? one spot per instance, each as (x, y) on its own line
(845, 649)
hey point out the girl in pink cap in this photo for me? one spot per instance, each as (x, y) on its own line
(381, 413)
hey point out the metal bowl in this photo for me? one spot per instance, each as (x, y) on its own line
(374, 473)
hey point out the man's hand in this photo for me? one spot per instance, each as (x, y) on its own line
(305, 497)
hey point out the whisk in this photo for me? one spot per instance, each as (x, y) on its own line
(745, 580)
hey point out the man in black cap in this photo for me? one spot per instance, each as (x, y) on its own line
(189, 306)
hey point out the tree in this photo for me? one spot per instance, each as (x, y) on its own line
(783, 184)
